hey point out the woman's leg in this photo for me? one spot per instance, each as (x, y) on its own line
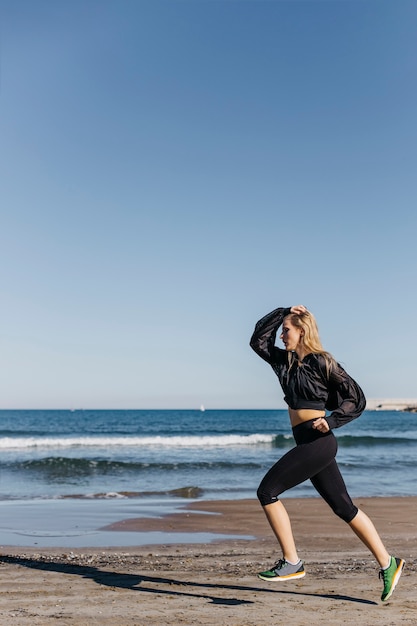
(296, 466)
(279, 521)
(331, 486)
(363, 527)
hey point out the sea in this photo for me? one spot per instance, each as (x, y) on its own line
(66, 475)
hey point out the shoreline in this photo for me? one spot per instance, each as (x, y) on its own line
(118, 524)
(216, 582)
(245, 517)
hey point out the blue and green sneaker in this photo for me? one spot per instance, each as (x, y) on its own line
(282, 570)
(391, 576)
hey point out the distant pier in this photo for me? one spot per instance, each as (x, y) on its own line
(409, 405)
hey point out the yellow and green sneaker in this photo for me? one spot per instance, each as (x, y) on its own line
(391, 576)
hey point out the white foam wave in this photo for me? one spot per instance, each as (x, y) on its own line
(13, 443)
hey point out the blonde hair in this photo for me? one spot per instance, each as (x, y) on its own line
(311, 338)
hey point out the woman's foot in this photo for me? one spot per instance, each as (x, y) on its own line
(391, 576)
(282, 570)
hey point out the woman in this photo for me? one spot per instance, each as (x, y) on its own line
(312, 382)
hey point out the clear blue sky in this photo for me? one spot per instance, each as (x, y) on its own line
(173, 170)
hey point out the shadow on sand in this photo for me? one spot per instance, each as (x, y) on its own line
(177, 587)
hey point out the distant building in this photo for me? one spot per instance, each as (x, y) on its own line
(392, 404)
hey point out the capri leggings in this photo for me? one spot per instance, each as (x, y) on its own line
(313, 458)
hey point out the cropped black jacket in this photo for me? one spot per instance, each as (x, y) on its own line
(307, 383)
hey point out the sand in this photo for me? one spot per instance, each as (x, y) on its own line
(216, 583)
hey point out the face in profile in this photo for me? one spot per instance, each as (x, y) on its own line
(290, 335)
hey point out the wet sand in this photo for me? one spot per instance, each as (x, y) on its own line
(216, 583)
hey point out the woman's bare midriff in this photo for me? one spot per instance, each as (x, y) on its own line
(298, 416)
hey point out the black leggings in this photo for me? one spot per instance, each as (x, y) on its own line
(313, 458)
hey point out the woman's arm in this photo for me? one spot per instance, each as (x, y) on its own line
(346, 399)
(264, 335)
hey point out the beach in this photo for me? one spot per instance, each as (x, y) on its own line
(215, 583)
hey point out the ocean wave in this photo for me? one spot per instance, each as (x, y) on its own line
(192, 441)
(189, 441)
(190, 491)
(378, 440)
(187, 492)
(79, 466)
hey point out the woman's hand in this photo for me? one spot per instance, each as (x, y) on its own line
(298, 309)
(321, 425)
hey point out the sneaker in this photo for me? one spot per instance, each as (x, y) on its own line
(283, 570)
(391, 576)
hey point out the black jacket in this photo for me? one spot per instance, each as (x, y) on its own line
(307, 383)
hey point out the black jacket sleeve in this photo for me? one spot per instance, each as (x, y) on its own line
(346, 400)
(264, 335)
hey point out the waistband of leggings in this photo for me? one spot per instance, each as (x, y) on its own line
(307, 425)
